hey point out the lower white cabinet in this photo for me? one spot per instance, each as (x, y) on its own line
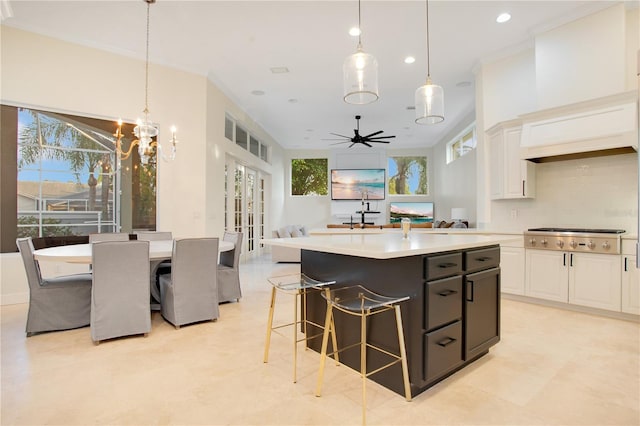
(594, 280)
(512, 270)
(547, 275)
(630, 285)
(585, 279)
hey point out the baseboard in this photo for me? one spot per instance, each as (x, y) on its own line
(14, 298)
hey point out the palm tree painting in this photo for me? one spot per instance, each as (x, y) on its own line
(408, 176)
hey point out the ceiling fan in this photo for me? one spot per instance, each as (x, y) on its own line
(358, 138)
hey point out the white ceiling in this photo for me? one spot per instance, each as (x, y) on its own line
(235, 43)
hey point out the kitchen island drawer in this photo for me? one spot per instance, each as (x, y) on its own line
(442, 266)
(443, 350)
(443, 301)
(477, 260)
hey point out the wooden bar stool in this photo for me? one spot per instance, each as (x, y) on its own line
(361, 302)
(297, 285)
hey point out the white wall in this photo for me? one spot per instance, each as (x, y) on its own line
(582, 60)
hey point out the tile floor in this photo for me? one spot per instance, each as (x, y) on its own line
(552, 367)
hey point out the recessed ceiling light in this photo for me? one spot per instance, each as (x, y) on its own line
(503, 17)
(309, 130)
(409, 60)
(463, 84)
(354, 32)
(411, 107)
(293, 101)
(257, 92)
(279, 70)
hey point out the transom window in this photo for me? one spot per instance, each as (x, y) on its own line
(462, 144)
(236, 133)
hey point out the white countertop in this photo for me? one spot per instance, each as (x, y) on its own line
(387, 245)
(462, 231)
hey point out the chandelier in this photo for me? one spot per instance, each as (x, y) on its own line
(145, 131)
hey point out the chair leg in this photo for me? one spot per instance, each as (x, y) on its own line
(269, 325)
(323, 352)
(403, 354)
(295, 336)
(363, 364)
(332, 330)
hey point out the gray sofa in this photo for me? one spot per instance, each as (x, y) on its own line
(287, 254)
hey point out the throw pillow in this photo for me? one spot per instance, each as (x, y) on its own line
(296, 233)
(284, 232)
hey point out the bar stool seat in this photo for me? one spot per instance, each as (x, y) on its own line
(362, 302)
(297, 285)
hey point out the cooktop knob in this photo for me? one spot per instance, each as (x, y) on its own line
(532, 241)
(573, 244)
(543, 242)
(591, 245)
(606, 245)
(560, 243)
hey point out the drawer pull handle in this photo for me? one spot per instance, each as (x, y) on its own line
(483, 259)
(446, 342)
(447, 265)
(447, 293)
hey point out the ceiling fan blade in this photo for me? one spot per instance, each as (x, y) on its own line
(343, 139)
(339, 143)
(367, 144)
(379, 141)
(382, 137)
(342, 136)
(374, 133)
(352, 144)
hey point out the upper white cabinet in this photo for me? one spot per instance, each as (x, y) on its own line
(511, 177)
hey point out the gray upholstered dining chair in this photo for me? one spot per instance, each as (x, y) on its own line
(60, 303)
(154, 235)
(190, 292)
(108, 236)
(229, 270)
(120, 302)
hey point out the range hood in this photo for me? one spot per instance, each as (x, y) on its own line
(597, 127)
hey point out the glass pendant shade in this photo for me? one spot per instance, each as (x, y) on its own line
(360, 78)
(429, 102)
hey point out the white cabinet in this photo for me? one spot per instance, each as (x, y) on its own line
(594, 280)
(512, 270)
(547, 275)
(584, 279)
(630, 281)
(511, 177)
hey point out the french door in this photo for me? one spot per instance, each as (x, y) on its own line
(245, 205)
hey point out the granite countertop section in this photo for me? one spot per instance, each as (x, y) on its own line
(387, 245)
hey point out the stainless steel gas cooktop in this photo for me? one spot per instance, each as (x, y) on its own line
(574, 239)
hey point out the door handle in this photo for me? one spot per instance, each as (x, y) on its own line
(523, 188)
(447, 265)
(571, 260)
(447, 293)
(446, 341)
(564, 259)
(470, 291)
(625, 264)
(483, 259)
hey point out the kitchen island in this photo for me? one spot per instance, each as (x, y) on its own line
(452, 316)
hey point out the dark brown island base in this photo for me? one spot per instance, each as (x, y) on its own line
(451, 319)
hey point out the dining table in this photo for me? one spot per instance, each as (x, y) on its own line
(159, 251)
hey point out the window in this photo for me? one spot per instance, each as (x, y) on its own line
(408, 176)
(462, 144)
(229, 126)
(244, 139)
(309, 176)
(241, 137)
(68, 181)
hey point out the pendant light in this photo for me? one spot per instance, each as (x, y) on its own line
(429, 99)
(360, 74)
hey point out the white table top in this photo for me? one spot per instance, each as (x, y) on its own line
(389, 245)
(81, 253)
